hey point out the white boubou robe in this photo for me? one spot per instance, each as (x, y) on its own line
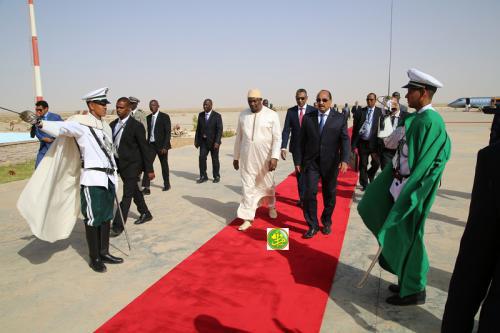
(258, 140)
(50, 201)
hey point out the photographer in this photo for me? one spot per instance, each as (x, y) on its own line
(397, 117)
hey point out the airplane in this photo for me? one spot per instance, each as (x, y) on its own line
(474, 102)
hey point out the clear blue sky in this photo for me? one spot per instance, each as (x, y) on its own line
(184, 51)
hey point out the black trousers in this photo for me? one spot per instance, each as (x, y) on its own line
(130, 191)
(300, 180)
(365, 152)
(311, 176)
(165, 172)
(386, 156)
(214, 153)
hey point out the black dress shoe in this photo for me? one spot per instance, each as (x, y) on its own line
(394, 288)
(310, 233)
(216, 179)
(327, 229)
(97, 265)
(109, 259)
(415, 299)
(201, 180)
(144, 218)
(146, 191)
(166, 188)
(115, 233)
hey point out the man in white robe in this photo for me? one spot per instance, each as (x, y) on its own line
(256, 152)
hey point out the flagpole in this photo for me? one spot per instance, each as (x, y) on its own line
(36, 59)
(390, 54)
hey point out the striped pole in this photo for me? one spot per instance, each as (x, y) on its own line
(36, 59)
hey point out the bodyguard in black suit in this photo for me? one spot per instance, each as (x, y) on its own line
(364, 138)
(133, 156)
(293, 121)
(159, 133)
(208, 139)
(355, 109)
(476, 277)
(324, 149)
(397, 117)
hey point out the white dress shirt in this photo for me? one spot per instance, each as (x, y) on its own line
(326, 114)
(118, 131)
(153, 124)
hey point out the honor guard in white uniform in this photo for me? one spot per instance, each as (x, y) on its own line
(93, 176)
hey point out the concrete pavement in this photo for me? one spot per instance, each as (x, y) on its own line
(49, 287)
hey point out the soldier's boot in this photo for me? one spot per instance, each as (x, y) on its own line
(106, 257)
(95, 262)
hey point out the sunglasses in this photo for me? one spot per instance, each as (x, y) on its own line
(300, 98)
(40, 110)
(370, 99)
(324, 100)
(101, 103)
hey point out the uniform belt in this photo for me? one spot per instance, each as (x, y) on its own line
(399, 176)
(108, 171)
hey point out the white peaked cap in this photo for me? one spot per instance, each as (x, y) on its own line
(97, 95)
(419, 79)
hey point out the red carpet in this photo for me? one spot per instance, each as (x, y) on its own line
(233, 284)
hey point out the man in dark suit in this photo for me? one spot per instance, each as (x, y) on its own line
(476, 277)
(159, 133)
(364, 138)
(293, 121)
(397, 117)
(324, 149)
(133, 156)
(208, 139)
(355, 109)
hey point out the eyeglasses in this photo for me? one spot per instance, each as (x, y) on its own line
(370, 99)
(39, 110)
(300, 98)
(324, 100)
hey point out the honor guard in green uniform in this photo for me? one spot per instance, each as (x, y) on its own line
(396, 204)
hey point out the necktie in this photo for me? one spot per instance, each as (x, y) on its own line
(301, 115)
(118, 127)
(152, 134)
(321, 122)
